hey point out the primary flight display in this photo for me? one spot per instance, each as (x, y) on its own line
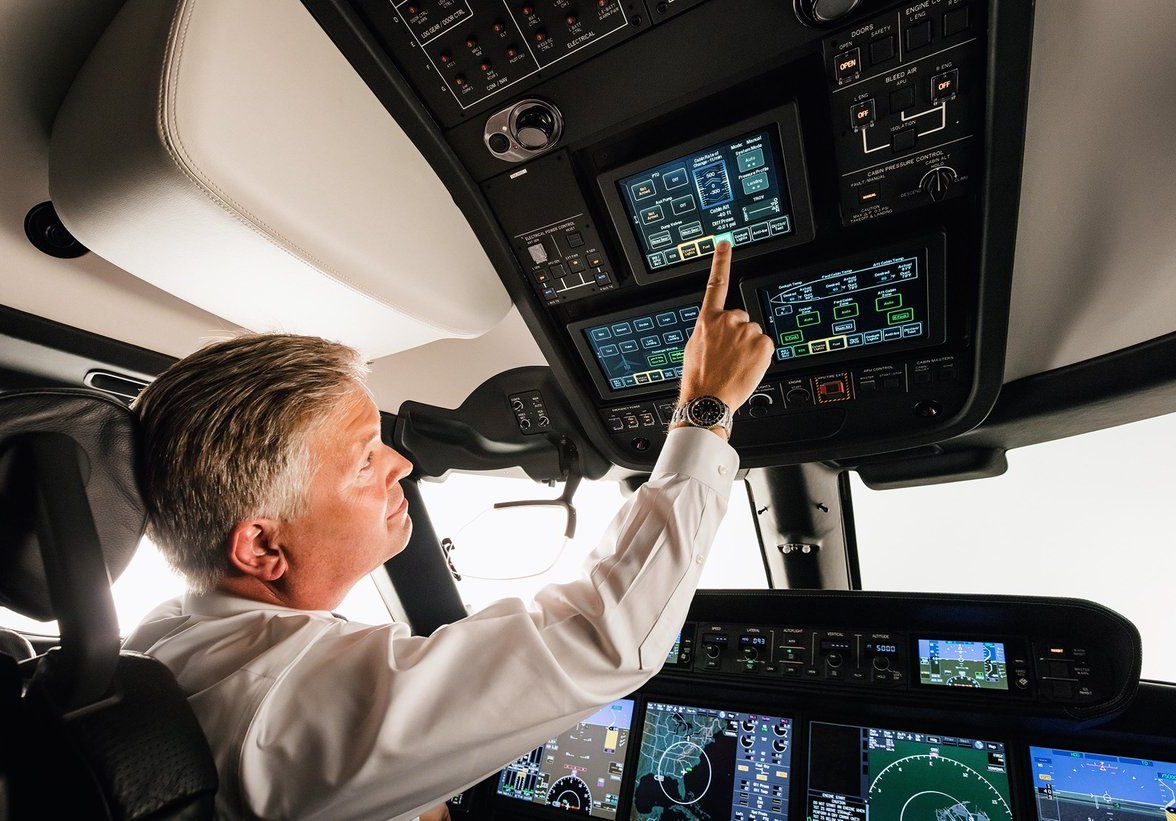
(581, 770)
(1074, 786)
(950, 663)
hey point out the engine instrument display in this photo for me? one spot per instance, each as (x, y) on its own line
(700, 763)
(733, 191)
(1073, 785)
(581, 770)
(636, 351)
(857, 773)
(949, 663)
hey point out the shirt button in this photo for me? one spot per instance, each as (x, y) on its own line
(699, 559)
(722, 470)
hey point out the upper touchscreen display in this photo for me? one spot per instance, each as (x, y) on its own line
(822, 311)
(1070, 784)
(734, 191)
(698, 762)
(581, 770)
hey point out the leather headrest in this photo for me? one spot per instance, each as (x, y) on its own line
(105, 433)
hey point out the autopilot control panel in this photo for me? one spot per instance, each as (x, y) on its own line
(945, 708)
(863, 164)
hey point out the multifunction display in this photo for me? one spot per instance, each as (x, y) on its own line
(949, 663)
(698, 763)
(734, 191)
(643, 350)
(1077, 785)
(581, 770)
(818, 312)
(859, 773)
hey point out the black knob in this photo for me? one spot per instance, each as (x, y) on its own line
(524, 423)
(798, 396)
(750, 653)
(760, 400)
(937, 181)
(881, 663)
(833, 659)
(499, 143)
(535, 127)
(640, 443)
(822, 12)
(712, 650)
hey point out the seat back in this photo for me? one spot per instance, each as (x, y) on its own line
(98, 733)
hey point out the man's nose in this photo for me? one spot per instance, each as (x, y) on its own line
(399, 468)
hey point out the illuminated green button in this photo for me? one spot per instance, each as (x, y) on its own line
(800, 350)
(887, 303)
(657, 360)
(845, 311)
(791, 336)
(807, 319)
(896, 317)
(676, 356)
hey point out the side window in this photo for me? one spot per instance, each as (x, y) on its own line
(459, 500)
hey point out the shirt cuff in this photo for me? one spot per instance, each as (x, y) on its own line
(699, 454)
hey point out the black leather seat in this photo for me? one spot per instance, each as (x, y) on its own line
(86, 731)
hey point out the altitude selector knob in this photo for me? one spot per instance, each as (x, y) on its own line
(937, 181)
(537, 126)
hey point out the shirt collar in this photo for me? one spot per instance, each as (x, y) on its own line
(219, 605)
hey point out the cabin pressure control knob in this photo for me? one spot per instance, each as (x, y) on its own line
(937, 181)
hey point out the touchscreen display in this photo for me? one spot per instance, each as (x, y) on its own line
(860, 773)
(820, 311)
(949, 663)
(699, 763)
(734, 191)
(1072, 785)
(643, 349)
(581, 770)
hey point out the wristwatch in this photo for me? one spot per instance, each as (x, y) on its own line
(704, 412)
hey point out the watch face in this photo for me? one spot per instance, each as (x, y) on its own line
(705, 411)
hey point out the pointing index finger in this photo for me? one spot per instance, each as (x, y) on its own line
(720, 276)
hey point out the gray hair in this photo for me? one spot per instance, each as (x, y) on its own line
(225, 438)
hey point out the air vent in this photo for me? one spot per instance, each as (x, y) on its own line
(125, 388)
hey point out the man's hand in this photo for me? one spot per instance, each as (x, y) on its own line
(728, 354)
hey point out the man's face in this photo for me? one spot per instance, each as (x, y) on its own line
(356, 516)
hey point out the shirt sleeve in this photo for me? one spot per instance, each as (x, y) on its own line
(377, 723)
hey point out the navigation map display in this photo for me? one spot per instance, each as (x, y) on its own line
(734, 191)
(581, 770)
(820, 312)
(698, 763)
(1073, 786)
(643, 350)
(948, 663)
(860, 773)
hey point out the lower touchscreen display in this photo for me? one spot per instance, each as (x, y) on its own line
(702, 763)
(860, 773)
(581, 770)
(1072, 785)
(645, 349)
(820, 312)
(950, 663)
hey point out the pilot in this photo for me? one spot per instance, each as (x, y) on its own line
(269, 488)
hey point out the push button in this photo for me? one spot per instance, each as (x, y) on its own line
(847, 65)
(944, 86)
(902, 99)
(903, 141)
(881, 50)
(918, 35)
(862, 115)
(575, 240)
(956, 21)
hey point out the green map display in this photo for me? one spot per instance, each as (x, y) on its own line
(698, 764)
(860, 773)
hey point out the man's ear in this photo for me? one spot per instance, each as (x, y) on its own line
(254, 550)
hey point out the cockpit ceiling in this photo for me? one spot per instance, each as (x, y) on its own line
(1096, 259)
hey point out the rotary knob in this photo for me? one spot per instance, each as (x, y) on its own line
(537, 126)
(937, 181)
(822, 12)
(758, 404)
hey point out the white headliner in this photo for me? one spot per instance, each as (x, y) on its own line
(1096, 256)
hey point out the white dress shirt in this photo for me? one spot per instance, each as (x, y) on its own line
(313, 717)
